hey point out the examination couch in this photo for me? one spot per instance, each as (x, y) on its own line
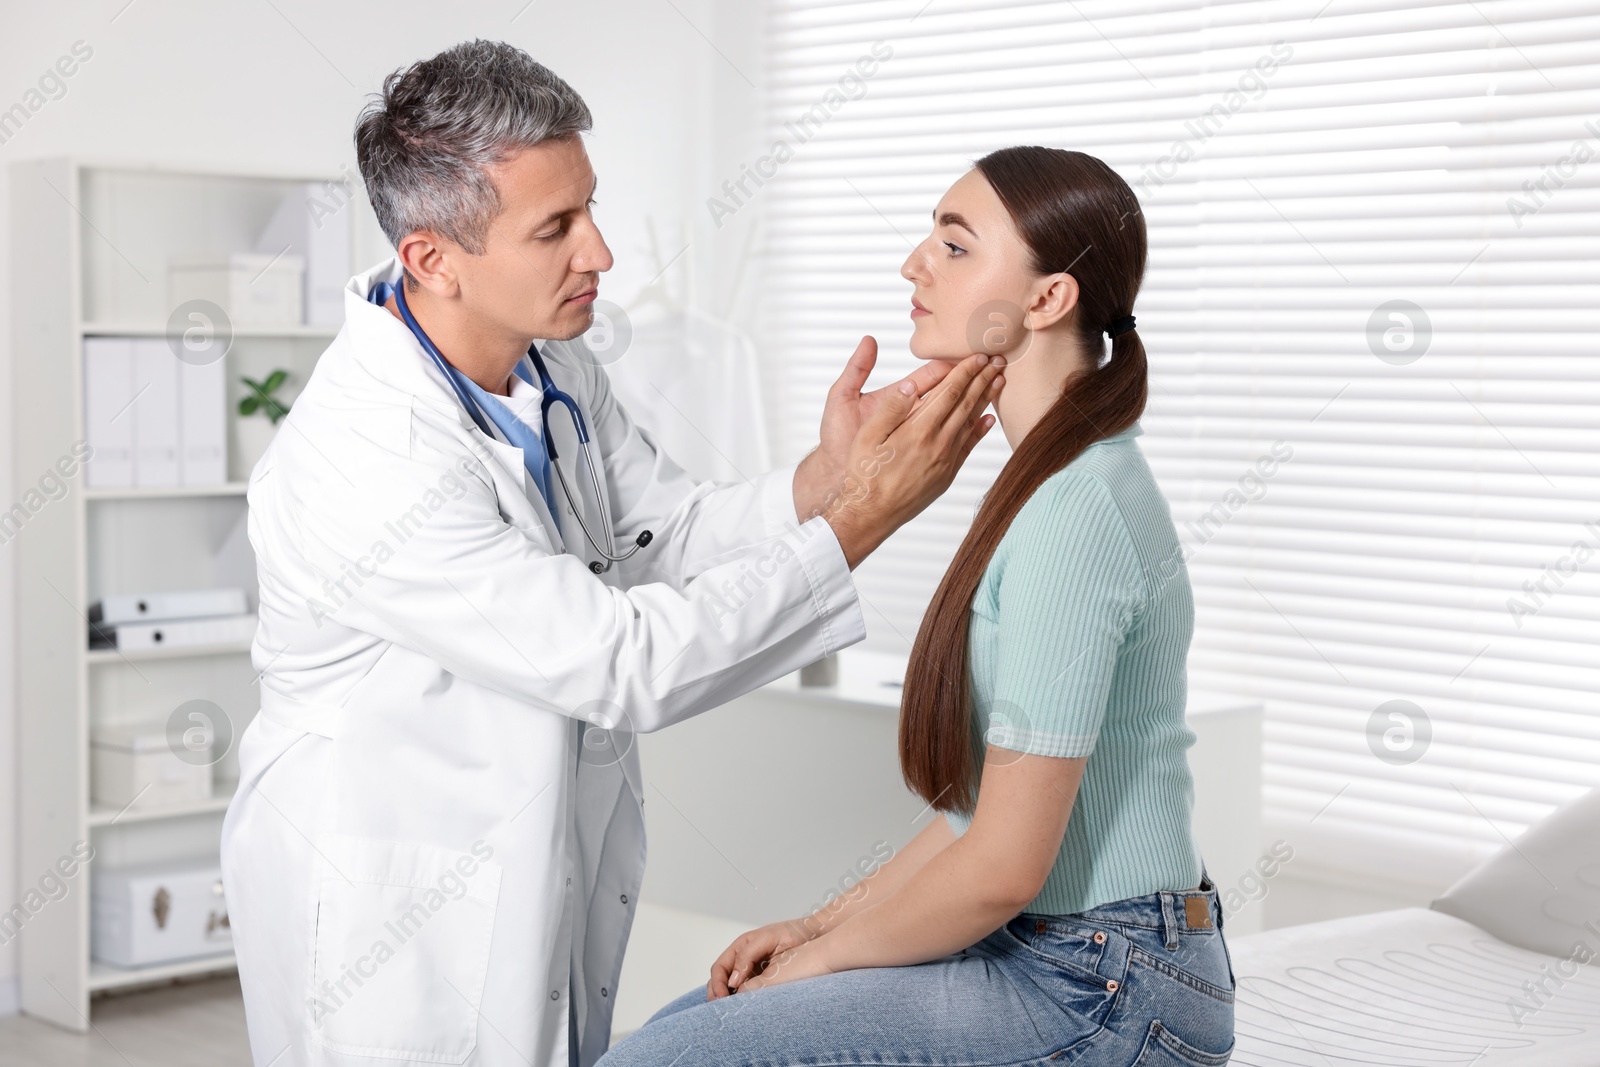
(1504, 968)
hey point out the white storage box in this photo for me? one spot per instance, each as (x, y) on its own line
(254, 289)
(312, 223)
(125, 760)
(158, 913)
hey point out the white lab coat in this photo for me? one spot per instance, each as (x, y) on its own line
(421, 846)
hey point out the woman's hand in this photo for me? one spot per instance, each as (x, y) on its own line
(752, 953)
(802, 961)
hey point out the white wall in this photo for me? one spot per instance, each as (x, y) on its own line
(276, 86)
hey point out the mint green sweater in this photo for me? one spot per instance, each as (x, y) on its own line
(1078, 635)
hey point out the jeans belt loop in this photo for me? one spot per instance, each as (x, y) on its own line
(1207, 884)
(1169, 920)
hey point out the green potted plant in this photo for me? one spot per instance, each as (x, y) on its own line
(259, 410)
(260, 397)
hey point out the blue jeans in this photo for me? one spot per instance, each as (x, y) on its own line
(1143, 982)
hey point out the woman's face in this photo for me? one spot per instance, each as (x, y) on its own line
(972, 277)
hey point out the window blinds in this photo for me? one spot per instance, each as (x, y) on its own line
(1371, 316)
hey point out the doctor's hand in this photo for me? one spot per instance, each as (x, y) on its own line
(765, 956)
(907, 453)
(847, 408)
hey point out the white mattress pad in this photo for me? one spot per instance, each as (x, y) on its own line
(1412, 988)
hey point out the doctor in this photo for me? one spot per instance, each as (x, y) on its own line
(436, 846)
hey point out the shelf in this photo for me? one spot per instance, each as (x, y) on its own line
(166, 492)
(135, 655)
(113, 165)
(128, 329)
(73, 218)
(104, 815)
(104, 976)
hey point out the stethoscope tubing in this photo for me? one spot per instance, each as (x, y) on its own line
(550, 394)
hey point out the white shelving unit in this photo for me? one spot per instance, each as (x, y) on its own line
(225, 489)
(92, 243)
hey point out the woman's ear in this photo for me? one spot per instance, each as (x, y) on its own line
(1054, 297)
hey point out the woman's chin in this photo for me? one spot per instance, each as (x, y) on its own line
(930, 349)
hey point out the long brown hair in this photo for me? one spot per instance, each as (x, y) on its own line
(1074, 214)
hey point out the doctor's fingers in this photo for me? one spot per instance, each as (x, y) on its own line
(923, 381)
(956, 442)
(856, 369)
(927, 376)
(952, 409)
(968, 378)
(979, 428)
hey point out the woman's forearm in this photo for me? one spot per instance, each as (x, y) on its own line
(952, 903)
(883, 882)
(978, 882)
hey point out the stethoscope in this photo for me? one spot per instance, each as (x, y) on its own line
(551, 395)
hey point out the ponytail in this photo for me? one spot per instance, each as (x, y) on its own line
(1063, 203)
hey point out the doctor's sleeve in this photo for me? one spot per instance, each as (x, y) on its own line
(492, 605)
(1070, 586)
(694, 525)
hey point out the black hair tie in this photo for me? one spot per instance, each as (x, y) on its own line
(1121, 326)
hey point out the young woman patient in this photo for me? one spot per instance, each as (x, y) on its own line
(1058, 910)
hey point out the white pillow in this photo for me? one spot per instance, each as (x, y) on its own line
(1541, 891)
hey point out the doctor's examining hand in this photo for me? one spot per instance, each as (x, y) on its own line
(886, 455)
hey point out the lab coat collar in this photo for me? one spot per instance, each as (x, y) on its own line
(390, 353)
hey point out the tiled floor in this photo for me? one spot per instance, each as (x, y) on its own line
(196, 1024)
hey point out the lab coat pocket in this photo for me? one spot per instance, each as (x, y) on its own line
(401, 947)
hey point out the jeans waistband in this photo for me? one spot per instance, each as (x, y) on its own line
(1172, 913)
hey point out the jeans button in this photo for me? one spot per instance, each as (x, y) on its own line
(1099, 937)
(1112, 985)
(1038, 926)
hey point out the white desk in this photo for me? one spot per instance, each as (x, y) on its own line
(1226, 764)
(755, 810)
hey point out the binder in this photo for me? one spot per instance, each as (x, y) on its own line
(160, 607)
(177, 633)
(155, 414)
(108, 418)
(202, 423)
